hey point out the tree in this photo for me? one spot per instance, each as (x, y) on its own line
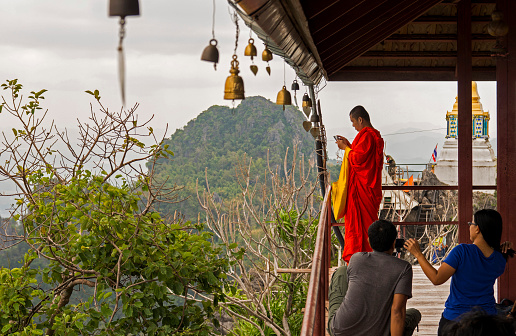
(89, 209)
(275, 223)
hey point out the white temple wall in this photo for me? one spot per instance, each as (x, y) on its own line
(484, 163)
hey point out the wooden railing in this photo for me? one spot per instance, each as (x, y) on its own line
(315, 309)
(314, 319)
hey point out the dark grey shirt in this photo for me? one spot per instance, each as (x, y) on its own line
(373, 279)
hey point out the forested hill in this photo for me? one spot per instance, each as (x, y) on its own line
(218, 139)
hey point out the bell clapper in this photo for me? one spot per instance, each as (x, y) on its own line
(121, 59)
(122, 9)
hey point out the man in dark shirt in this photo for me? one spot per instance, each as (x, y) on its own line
(369, 296)
(392, 166)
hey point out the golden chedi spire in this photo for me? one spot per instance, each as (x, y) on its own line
(480, 118)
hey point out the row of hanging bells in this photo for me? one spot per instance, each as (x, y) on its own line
(250, 50)
(211, 54)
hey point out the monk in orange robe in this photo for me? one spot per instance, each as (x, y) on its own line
(365, 182)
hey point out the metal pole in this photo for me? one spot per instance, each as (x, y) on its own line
(321, 164)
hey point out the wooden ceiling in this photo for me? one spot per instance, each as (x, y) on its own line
(380, 40)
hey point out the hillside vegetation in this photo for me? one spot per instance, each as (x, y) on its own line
(221, 137)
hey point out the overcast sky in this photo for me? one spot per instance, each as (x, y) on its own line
(68, 47)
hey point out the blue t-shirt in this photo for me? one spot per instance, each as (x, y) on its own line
(473, 280)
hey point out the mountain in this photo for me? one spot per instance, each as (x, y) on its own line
(220, 139)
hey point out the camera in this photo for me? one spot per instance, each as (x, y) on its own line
(399, 243)
(336, 137)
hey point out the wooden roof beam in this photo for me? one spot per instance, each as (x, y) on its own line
(435, 37)
(420, 54)
(408, 73)
(328, 24)
(365, 37)
(450, 19)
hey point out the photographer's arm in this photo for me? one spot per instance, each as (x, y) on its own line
(398, 312)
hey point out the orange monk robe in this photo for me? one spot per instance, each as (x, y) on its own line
(364, 190)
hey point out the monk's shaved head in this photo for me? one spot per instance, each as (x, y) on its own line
(359, 112)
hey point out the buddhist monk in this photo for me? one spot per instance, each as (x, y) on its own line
(364, 191)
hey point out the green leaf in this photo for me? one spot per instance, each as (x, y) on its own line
(79, 325)
(105, 310)
(6, 327)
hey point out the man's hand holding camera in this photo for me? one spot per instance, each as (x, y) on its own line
(342, 142)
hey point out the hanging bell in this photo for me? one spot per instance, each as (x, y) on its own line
(266, 55)
(314, 118)
(284, 97)
(307, 102)
(497, 27)
(211, 53)
(234, 88)
(295, 86)
(250, 50)
(124, 8)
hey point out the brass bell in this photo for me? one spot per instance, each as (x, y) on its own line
(307, 102)
(234, 88)
(295, 85)
(314, 118)
(284, 97)
(211, 53)
(124, 8)
(250, 50)
(497, 27)
(266, 55)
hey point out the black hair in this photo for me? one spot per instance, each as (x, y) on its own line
(359, 111)
(478, 323)
(382, 235)
(489, 222)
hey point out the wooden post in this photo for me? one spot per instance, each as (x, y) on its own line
(465, 132)
(506, 124)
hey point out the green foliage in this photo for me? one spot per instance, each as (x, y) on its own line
(101, 230)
